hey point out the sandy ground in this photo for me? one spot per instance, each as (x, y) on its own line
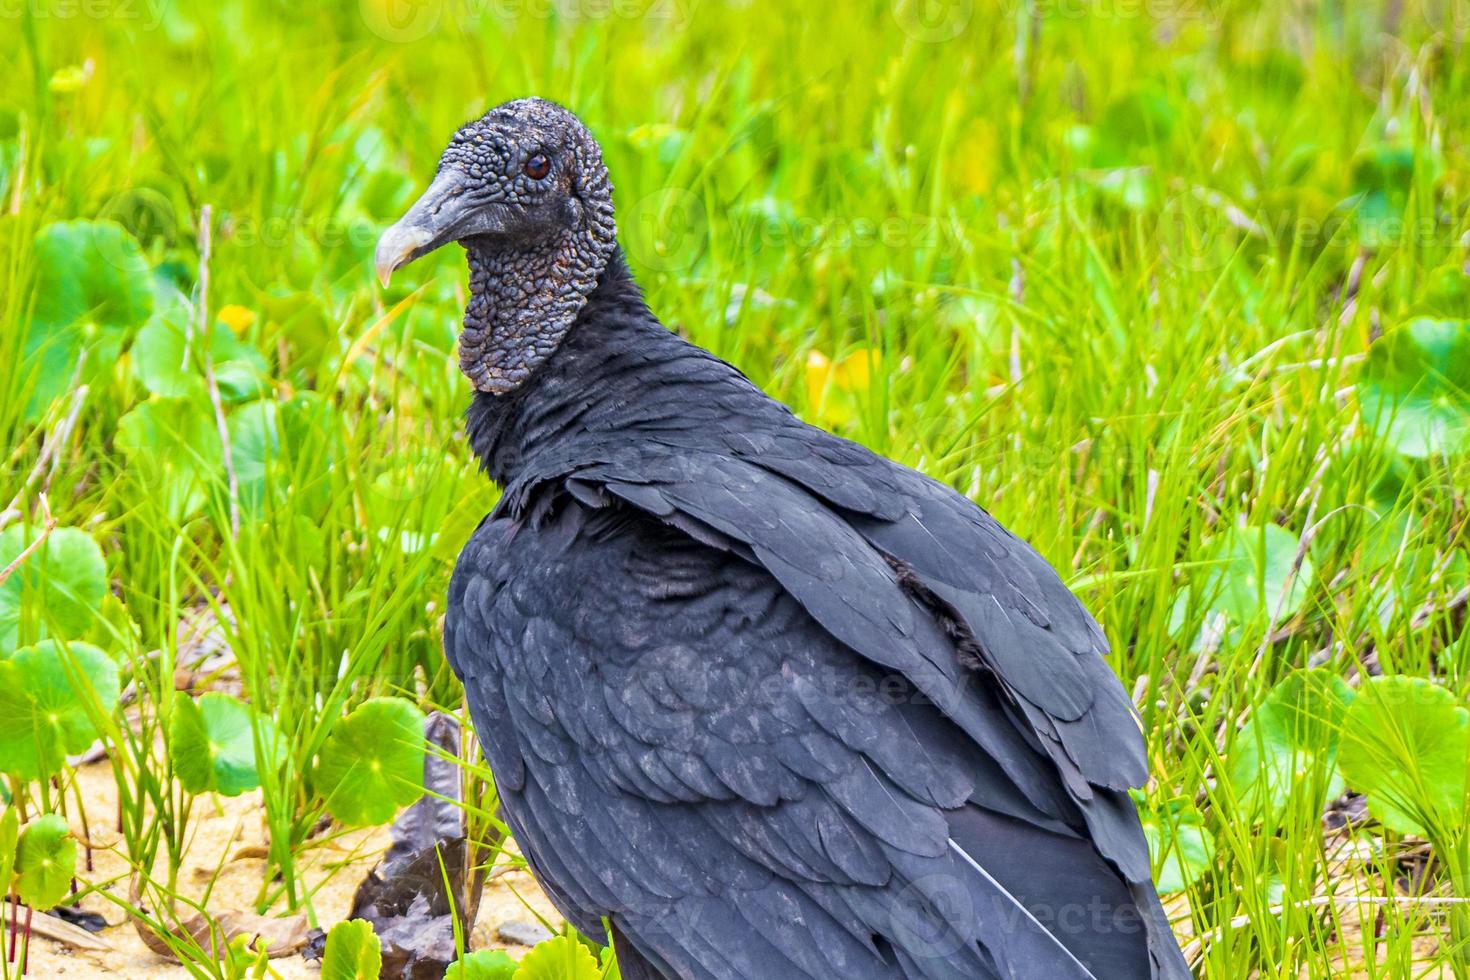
(235, 828)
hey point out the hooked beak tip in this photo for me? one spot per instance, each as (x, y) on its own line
(397, 247)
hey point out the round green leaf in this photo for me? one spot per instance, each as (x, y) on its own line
(1415, 389)
(212, 743)
(483, 964)
(1383, 178)
(159, 351)
(1130, 125)
(373, 762)
(559, 958)
(48, 696)
(173, 446)
(255, 448)
(45, 861)
(1182, 848)
(1251, 574)
(239, 369)
(1289, 744)
(188, 747)
(1404, 746)
(170, 363)
(353, 952)
(57, 591)
(92, 286)
(91, 270)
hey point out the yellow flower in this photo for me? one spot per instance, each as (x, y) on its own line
(855, 371)
(237, 318)
(71, 78)
(831, 386)
(974, 157)
(818, 367)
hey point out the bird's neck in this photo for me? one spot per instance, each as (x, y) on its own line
(523, 300)
(614, 365)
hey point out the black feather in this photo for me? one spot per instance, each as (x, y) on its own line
(776, 706)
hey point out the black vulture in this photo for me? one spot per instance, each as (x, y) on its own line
(759, 703)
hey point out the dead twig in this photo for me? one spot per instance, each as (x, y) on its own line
(1450, 606)
(61, 931)
(50, 456)
(34, 546)
(202, 329)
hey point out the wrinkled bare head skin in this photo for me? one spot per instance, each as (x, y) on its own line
(524, 190)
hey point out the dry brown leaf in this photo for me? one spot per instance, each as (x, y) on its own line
(282, 936)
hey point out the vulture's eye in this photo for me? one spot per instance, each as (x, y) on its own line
(537, 167)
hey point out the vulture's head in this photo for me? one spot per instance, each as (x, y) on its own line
(524, 190)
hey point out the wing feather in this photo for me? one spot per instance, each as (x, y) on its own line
(704, 688)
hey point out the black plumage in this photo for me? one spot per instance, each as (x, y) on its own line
(768, 704)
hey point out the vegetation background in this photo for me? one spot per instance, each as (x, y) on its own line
(1178, 289)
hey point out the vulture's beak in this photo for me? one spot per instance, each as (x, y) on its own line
(443, 214)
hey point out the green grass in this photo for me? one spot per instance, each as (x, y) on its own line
(1115, 268)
